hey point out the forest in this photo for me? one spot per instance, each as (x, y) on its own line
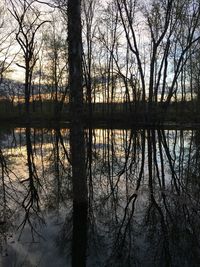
(140, 60)
(100, 133)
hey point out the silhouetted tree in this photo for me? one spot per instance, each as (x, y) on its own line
(77, 143)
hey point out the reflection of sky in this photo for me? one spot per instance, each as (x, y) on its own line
(113, 184)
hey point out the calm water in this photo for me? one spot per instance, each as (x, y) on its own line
(143, 199)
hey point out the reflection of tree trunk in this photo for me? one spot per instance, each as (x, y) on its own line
(170, 161)
(3, 208)
(56, 168)
(131, 200)
(151, 151)
(80, 196)
(31, 199)
(79, 242)
(89, 161)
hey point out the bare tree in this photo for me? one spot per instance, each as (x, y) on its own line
(55, 61)
(29, 20)
(6, 43)
(171, 31)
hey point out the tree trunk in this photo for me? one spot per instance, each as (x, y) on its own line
(77, 142)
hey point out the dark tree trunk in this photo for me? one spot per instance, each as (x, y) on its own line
(27, 90)
(75, 59)
(77, 142)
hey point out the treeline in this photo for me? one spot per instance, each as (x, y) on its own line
(140, 53)
(183, 113)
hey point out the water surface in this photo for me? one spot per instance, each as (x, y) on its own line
(143, 198)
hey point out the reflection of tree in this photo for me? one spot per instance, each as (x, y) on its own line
(193, 166)
(80, 195)
(59, 170)
(143, 207)
(170, 218)
(4, 208)
(115, 167)
(31, 201)
(143, 200)
(8, 199)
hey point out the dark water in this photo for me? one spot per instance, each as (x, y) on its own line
(142, 206)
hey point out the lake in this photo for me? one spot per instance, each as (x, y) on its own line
(142, 203)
